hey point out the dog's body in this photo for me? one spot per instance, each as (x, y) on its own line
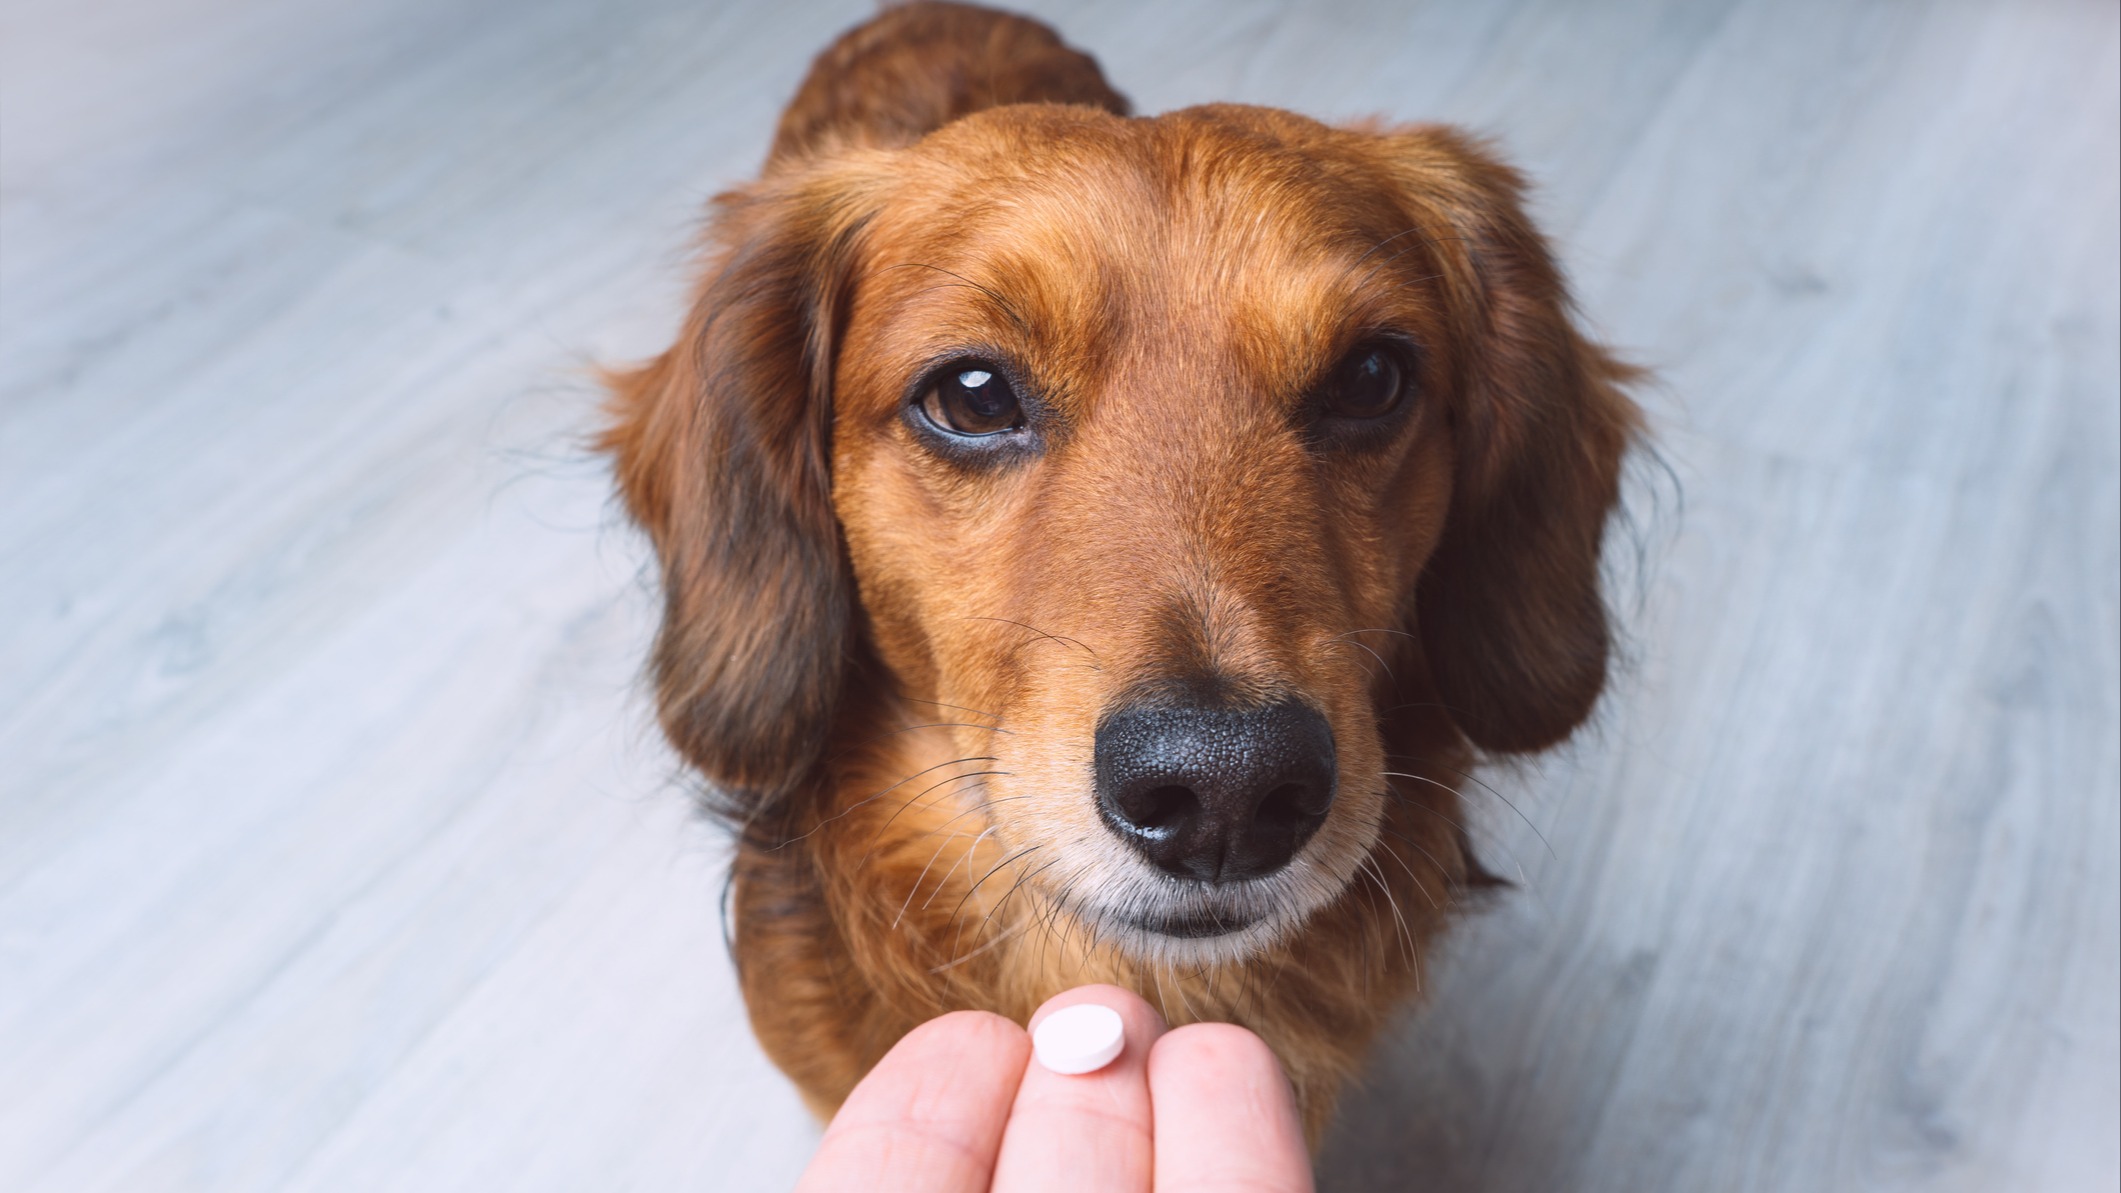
(1097, 549)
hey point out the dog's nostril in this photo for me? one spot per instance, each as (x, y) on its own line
(1160, 811)
(1285, 805)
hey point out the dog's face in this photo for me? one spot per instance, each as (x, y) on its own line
(1141, 463)
(1173, 460)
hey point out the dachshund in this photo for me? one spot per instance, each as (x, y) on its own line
(1098, 548)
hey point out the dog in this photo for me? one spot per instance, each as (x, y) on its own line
(1099, 548)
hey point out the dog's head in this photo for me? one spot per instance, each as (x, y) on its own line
(1182, 454)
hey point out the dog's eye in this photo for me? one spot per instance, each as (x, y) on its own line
(972, 398)
(1368, 384)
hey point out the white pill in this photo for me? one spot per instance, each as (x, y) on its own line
(1079, 1039)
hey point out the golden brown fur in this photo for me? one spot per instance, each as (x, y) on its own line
(889, 665)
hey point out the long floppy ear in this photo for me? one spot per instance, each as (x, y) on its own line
(1509, 608)
(722, 452)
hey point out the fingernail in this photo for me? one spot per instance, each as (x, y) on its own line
(1079, 1039)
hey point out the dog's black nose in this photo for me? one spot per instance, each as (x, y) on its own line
(1216, 794)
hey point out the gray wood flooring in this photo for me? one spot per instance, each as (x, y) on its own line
(337, 850)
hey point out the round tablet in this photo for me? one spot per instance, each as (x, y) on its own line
(1079, 1039)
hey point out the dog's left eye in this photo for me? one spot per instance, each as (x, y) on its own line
(1369, 383)
(972, 398)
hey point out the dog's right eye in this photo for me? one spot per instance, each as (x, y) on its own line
(971, 397)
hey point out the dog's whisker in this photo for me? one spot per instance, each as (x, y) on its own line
(1477, 781)
(1373, 654)
(854, 745)
(1060, 638)
(995, 717)
(1007, 308)
(1042, 918)
(937, 725)
(1178, 983)
(964, 858)
(980, 928)
(1468, 776)
(959, 910)
(1014, 887)
(981, 806)
(1497, 794)
(1363, 868)
(865, 801)
(1362, 941)
(1374, 630)
(1465, 832)
(881, 829)
(1163, 1001)
(923, 876)
(1425, 241)
(1401, 235)
(998, 938)
(1416, 846)
(1419, 885)
(1368, 868)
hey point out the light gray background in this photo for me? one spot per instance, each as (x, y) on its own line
(336, 850)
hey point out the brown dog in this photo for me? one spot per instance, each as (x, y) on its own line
(1094, 549)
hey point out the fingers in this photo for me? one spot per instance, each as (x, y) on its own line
(955, 1106)
(1090, 1131)
(1225, 1118)
(930, 1114)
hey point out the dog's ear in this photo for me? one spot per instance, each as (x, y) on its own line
(722, 450)
(1509, 608)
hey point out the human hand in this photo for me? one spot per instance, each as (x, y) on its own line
(958, 1106)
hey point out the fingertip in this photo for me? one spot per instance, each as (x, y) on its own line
(962, 1050)
(1223, 1048)
(1132, 1008)
(930, 1114)
(983, 1031)
(1225, 1113)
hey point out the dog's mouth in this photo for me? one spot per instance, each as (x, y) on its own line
(1192, 926)
(1190, 935)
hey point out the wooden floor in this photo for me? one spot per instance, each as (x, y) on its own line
(336, 848)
